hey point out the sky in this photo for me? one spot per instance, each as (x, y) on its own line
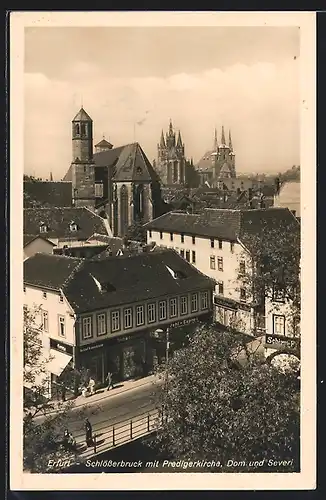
(133, 80)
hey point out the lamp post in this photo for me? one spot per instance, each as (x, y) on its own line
(158, 332)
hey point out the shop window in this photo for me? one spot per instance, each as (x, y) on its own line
(162, 310)
(45, 321)
(184, 305)
(87, 327)
(212, 264)
(193, 257)
(182, 237)
(212, 243)
(194, 240)
(140, 316)
(220, 244)
(194, 302)
(220, 263)
(173, 308)
(243, 295)
(188, 255)
(151, 313)
(101, 324)
(128, 318)
(204, 300)
(62, 326)
(220, 288)
(278, 324)
(115, 321)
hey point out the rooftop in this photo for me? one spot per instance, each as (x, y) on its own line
(57, 194)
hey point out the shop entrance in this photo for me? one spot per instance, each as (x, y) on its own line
(96, 368)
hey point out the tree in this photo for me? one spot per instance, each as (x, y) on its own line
(44, 420)
(217, 409)
(136, 232)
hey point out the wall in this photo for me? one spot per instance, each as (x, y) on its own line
(37, 245)
(34, 297)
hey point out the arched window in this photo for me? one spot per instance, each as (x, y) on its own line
(83, 129)
(175, 171)
(124, 207)
(77, 129)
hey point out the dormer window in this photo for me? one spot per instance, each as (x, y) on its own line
(43, 227)
(73, 226)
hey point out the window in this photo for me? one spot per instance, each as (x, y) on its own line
(182, 237)
(220, 285)
(188, 255)
(61, 298)
(220, 244)
(231, 247)
(173, 308)
(128, 317)
(194, 302)
(85, 169)
(161, 235)
(151, 313)
(220, 263)
(184, 305)
(140, 319)
(278, 324)
(162, 310)
(182, 253)
(43, 228)
(212, 243)
(193, 257)
(243, 295)
(87, 327)
(62, 327)
(204, 300)
(194, 240)
(44, 295)
(99, 190)
(150, 233)
(73, 226)
(115, 321)
(212, 262)
(171, 236)
(242, 267)
(45, 321)
(101, 324)
(278, 294)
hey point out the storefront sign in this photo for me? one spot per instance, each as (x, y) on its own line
(280, 341)
(183, 322)
(59, 346)
(90, 347)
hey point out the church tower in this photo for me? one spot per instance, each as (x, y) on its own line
(171, 163)
(82, 167)
(225, 159)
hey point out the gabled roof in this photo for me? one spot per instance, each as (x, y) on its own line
(58, 222)
(133, 165)
(220, 223)
(206, 162)
(28, 238)
(52, 273)
(95, 284)
(104, 144)
(57, 194)
(82, 116)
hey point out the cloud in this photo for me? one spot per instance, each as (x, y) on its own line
(259, 102)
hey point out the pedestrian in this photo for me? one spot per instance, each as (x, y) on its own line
(69, 440)
(84, 392)
(109, 381)
(91, 385)
(89, 433)
(63, 392)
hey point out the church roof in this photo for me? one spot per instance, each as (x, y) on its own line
(82, 116)
(104, 143)
(57, 194)
(133, 165)
(206, 162)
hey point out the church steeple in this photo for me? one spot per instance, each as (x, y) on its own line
(179, 142)
(223, 143)
(51, 177)
(215, 146)
(170, 128)
(162, 141)
(230, 141)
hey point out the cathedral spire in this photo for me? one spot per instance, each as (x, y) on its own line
(51, 177)
(230, 141)
(170, 128)
(162, 141)
(223, 137)
(215, 140)
(179, 142)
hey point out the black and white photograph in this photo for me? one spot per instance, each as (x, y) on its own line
(162, 250)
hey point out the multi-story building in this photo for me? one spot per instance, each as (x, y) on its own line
(218, 242)
(102, 315)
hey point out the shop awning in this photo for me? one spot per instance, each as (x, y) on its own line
(58, 362)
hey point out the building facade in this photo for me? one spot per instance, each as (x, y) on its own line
(171, 162)
(102, 315)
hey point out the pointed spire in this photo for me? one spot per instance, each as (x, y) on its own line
(230, 141)
(223, 137)
(170, 128)
(162, 141)
(215, 140)
(179, 142)
(51, 177)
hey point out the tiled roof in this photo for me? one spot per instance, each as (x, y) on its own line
(103, 143)
(28, 238)
(52, 273)
(82, 116)
(133, 165)
(206, 162)
(57, 194)
(123, 280)
(58, 222)
(224, 223)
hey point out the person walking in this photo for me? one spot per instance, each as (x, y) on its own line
(109, 381)
(91, 385)
(89, 433)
